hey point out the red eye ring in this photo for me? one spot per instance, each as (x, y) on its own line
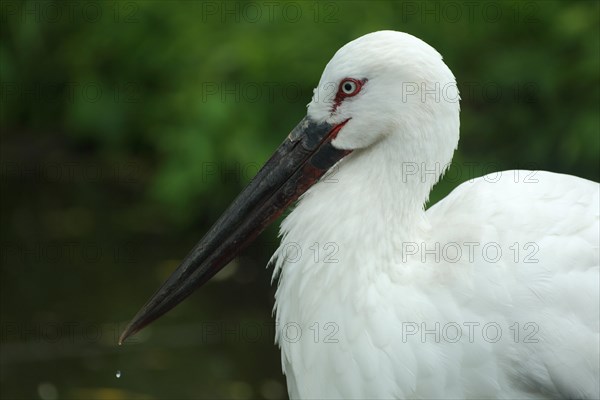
(348, 87)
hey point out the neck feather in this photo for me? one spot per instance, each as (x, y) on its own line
(368, 204)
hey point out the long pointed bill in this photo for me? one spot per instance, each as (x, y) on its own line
(305, 155)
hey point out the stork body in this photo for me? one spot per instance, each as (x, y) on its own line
(378, 298)
(433, 323)
(491, 293)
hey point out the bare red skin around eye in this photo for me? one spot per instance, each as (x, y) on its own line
(340, 95)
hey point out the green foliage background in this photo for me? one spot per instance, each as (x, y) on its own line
(127, 127)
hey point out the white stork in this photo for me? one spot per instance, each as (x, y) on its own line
(491, 293)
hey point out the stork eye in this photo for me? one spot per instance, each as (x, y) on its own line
(350, 87)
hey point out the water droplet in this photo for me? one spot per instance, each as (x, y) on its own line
(118, 374)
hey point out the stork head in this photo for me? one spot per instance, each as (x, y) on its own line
(390, 85)
(383, 88)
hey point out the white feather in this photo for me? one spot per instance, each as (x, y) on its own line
(373, 299)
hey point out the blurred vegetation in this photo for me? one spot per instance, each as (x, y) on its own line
(126, 128)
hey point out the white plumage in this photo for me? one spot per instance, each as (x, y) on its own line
(378, 298)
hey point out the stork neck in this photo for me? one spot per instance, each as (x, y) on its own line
(381, 189)
(371, 202)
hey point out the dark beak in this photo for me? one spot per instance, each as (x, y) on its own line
(304, 156)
